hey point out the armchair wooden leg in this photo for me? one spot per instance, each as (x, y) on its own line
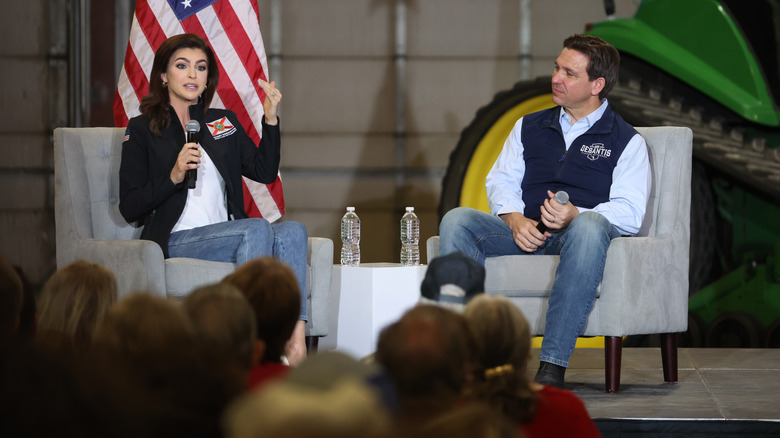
(669, 356)
(613, 353)
(312, 343)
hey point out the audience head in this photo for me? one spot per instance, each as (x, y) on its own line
(46, 394)
(142, 325)
(175, 385)
(452, 280)
(11, 295)
(272, 290)
(344, 409)
(428, 355)
(324, 369)
(75, 299)
(472, 420)
(223, 318)
(503, 345)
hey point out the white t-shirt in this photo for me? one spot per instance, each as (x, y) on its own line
(206, 203)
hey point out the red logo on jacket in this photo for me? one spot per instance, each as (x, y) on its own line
(221, 128)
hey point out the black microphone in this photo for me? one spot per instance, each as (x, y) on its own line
(193, 129)
(562, 198)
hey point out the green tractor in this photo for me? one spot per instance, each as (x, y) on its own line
(714, 66)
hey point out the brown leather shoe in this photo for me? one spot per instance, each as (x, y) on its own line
(550, 374)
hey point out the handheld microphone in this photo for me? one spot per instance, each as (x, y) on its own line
(562, 198)
(193, 129)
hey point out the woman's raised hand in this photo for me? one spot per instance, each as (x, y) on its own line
(272, 98)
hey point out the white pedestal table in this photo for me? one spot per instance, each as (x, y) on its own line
(364, 299)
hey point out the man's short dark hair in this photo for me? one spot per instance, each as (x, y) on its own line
(604, 59)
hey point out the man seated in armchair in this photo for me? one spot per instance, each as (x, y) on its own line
(580, 146)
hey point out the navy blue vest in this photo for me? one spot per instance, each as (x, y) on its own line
(584, 171)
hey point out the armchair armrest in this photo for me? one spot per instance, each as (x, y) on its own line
(320, 261)
(644, 276)
(137, 264)
(432, 248)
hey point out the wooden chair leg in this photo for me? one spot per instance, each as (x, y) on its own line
(613, 352)
(669, 356)
(312, 343)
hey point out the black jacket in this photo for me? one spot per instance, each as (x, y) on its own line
(147, 194)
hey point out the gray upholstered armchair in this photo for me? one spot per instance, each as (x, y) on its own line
(89, 226)
(644, 289)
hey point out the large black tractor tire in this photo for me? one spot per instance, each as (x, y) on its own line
(473, 134)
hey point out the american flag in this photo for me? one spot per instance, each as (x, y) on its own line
(232, 28)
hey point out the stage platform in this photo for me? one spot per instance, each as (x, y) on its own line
(720, 392)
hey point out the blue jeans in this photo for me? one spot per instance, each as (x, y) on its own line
(242, 240)
(583, 249)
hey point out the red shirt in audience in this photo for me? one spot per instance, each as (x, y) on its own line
(265, 372)
(560, 413)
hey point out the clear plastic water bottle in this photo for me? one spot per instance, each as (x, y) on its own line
(350, 238)
(410, 238)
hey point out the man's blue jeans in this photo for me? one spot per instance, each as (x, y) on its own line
(582, 247)
(242, 240)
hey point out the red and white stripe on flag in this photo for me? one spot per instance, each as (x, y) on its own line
(232, 28)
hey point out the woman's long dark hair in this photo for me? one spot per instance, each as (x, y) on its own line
(155, 104)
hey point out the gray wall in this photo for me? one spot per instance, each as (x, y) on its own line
(338, 77)
(339, 86)
(33, 100)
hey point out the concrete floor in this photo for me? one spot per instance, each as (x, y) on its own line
(714, 384)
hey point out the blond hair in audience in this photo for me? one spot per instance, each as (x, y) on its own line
(75, 299)
(347, 409)
(503, 342)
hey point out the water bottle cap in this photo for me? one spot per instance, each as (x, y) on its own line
(350, 208)
(409, 208)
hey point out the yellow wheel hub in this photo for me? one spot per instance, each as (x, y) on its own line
(473, 190)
